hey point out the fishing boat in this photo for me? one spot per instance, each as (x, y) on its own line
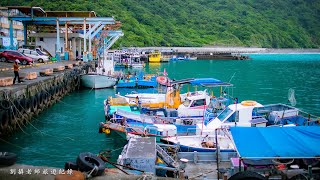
(138, 81)
(155, 57)
(201, 143)
(250, 114)
(97, 81)
(101, 77)
(132, 130)
(145, 155)
(128, 59)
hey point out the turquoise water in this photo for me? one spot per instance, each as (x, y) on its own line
(70, 126)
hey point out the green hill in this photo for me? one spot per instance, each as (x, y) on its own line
(257, 23)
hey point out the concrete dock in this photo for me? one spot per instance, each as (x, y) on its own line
(28, 172)
(43, 85)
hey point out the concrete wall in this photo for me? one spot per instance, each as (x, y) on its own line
(49, 43)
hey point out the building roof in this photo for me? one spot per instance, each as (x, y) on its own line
(37, 11)
(71, 14)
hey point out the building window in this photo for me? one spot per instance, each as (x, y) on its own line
(41, 39)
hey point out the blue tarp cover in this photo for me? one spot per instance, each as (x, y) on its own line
(268, 142)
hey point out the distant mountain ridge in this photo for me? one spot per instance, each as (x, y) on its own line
(251, 23)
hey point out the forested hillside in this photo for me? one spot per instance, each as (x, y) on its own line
(256, 23)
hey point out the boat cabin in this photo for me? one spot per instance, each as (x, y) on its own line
(256, 115)
(161, 130)
(194, 105)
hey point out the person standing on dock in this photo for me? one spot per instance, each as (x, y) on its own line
(16, 69)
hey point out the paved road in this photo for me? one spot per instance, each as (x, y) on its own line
(6, 69)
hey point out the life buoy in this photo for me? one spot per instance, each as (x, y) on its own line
(162, 80)
(248, 103)
(106, 130)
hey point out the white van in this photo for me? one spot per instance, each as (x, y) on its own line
(35, 55)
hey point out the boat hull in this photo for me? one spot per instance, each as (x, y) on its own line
(95, 81)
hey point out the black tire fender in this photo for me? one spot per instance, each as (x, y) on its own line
(4, 115)
(27, 105)
(247, 175)
(34, 103)
(44, 95)
(7, 158)
(40, 99)
(5, 104)
(71, 165)
(87, 161)
(21, 105)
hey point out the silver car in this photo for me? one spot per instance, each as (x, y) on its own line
(34, 55)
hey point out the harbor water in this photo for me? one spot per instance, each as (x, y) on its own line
(70, 126)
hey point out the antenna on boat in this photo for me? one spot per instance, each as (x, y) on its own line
(291, 97)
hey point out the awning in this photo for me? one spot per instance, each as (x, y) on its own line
(277, 142)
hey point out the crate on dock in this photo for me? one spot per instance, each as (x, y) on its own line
(69, 66)
(6, 81)
(59, 68)
(31, 75)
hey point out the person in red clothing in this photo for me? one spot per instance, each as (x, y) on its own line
(16, 71)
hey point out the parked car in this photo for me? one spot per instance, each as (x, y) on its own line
(35, 55)
(11, 56)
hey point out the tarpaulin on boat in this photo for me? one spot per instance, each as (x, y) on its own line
(268, 142)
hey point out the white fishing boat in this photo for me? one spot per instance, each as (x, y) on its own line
(97, 81)
(101, 78)
(203, 143)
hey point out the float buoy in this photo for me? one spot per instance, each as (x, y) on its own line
(248, 103)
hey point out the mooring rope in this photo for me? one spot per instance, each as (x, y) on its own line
(42, 133)
(32, 151)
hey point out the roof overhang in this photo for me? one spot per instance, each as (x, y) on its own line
(71, 14)
(28, 10)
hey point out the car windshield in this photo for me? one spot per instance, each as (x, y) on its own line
(21, 54)
(187, 102)
(40, 52)
(225, 113)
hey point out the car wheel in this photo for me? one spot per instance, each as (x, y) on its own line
(40, 60)
(24, 62)
(3, 59)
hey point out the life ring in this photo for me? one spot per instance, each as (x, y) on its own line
(162, 80)
(7, 158)
(87, 162)
(248, 103)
